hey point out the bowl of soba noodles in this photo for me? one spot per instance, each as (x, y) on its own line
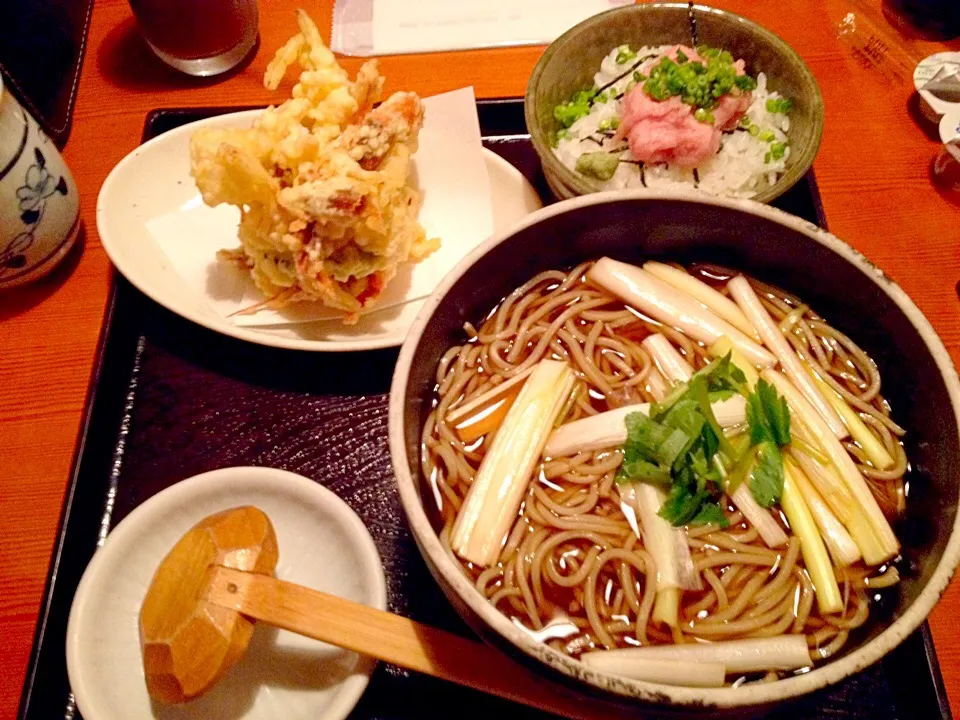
(679, 452)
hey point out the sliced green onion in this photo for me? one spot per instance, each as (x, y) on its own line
(779, 105)
(704, 116)
(777, 150)
(768, 136)
(753, 130)
(625, 54)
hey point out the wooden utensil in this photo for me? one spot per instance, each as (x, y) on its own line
(198, 614)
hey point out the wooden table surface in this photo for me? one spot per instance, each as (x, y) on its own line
(873, 172)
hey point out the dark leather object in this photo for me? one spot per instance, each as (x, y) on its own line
(171, 400)
(42, 43)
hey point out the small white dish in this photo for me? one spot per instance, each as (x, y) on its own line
(929, 68)
(154, 182)
(323, 545)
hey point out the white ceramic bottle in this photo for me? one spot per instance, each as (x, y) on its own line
(39, 207)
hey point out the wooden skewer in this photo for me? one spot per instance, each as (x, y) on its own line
(208, 590)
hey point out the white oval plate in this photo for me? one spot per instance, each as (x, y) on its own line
(323, 545)
(154, 181)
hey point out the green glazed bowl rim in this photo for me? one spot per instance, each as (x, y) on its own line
(579, 185)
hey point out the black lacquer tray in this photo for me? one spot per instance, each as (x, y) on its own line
(170, 399)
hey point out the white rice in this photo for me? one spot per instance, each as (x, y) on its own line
(737, 170)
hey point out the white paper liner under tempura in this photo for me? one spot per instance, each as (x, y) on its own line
(449, 169)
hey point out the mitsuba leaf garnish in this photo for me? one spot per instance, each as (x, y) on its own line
(676, 447)
(766, 477)
(768, 415)
(769, 419)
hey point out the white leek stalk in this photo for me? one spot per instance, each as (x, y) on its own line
(664, 303)
(827, 483)
(608, 429)
(843, 549)
(773, 338)
(671, 363)
(667, 546)
(770, 531)
(815, 556)
(869, 527)
(659, 671)
(494, 498)
(703, 293)
(483, 414)
(859, 431)
(656, 385)
(784, 652)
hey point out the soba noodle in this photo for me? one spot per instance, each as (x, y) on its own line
(571, 555)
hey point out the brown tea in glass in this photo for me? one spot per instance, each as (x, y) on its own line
(198, 37)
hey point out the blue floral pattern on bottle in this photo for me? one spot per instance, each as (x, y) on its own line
(38, 185)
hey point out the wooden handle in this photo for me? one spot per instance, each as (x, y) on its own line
(392, 638)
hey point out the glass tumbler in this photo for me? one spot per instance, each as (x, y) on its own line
(198, 37)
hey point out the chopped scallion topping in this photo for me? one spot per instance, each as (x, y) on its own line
(704, 116)
(625, 54)
(779, 105)
(700, 83)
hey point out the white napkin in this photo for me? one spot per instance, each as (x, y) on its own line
(387, 27)
(450, 170)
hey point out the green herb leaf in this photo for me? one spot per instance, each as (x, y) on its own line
(768, 415)
(766, 477)
(682, 505)
(654, 442)
(710, 514)
(599, 165)
(644, 472)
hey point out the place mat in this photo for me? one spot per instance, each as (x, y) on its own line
(42, 43)
(170, 399)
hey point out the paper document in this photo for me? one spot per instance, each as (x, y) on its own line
(388, 27)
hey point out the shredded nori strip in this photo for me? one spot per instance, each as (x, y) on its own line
(696, 178)
(620, 77)
(692, 22)
(643, 175)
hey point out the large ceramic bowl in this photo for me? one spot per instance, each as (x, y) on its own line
(570, 62)
(855, 296)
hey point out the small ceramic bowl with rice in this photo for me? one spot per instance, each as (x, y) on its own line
(671, 97)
